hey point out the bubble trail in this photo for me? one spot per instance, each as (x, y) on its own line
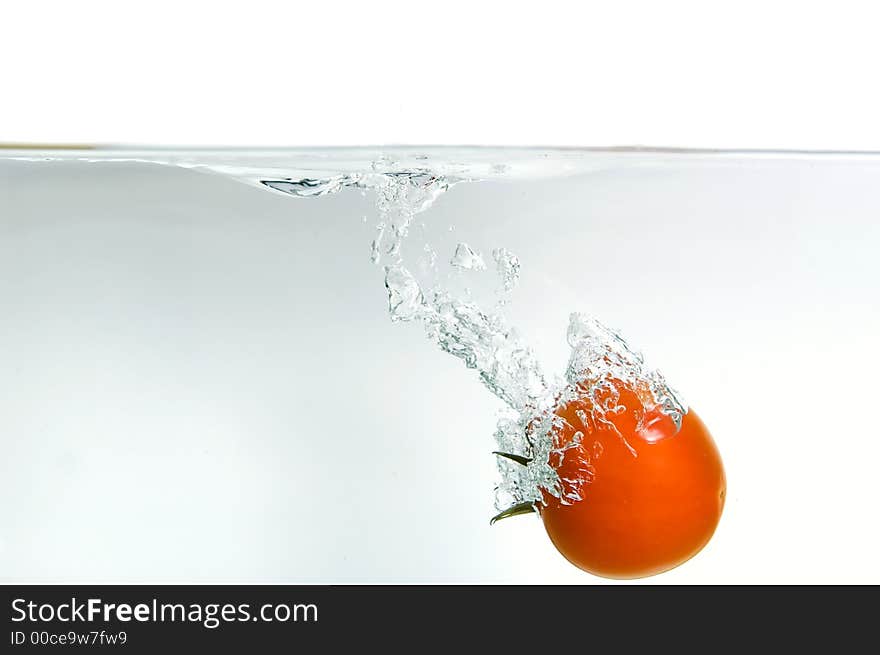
(484, 341)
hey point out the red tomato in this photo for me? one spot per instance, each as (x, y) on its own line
(652, 495)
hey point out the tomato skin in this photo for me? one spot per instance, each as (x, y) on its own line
(640, 515)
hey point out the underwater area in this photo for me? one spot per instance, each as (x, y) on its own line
(294, 365)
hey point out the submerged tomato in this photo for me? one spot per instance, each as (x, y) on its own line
(652, 495)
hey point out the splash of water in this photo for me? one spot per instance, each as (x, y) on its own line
(482, 338)
(459, 326)
(506, 365)
(601, 362)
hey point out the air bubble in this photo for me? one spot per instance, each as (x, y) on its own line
(465, 258)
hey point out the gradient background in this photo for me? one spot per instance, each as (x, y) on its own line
(199, 381)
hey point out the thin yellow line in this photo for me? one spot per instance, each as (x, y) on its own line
(47, 146)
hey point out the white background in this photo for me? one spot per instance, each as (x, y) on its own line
(795, 75)
(674, 73)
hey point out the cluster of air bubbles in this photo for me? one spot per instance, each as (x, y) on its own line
(600, 364)
(399, 197)
(507, 265)
(600, 355)
(527, 434)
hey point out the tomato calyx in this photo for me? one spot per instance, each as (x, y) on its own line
(519, 508)
(519, 459)
(516, 510)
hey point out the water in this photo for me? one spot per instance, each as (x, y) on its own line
(479, 335)
(201, 380)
